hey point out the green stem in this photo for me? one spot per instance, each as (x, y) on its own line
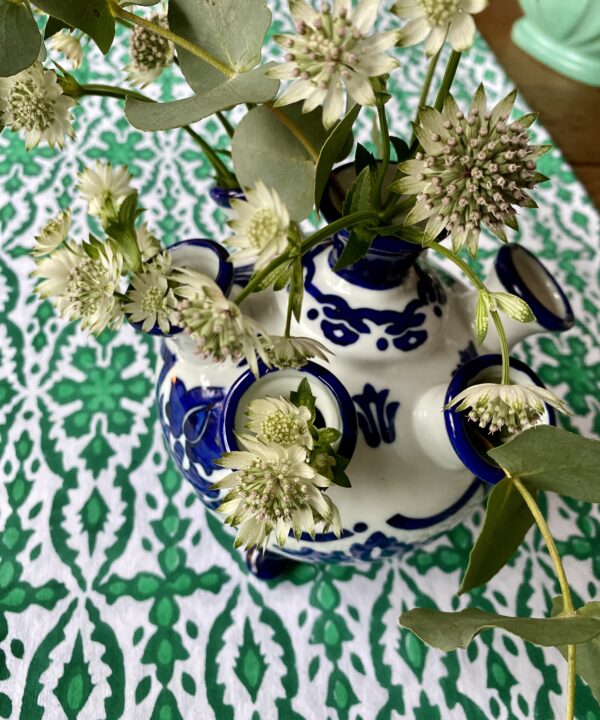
(426, 87)
(568, 607)
(385, 159)
(224, 176)
(312, 241)
(122, 14)
(447, 80)
(288, 319)
(227, 126)
(503, 347)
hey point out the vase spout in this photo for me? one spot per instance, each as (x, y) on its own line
(521, 273)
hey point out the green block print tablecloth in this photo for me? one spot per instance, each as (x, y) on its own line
(120, 598)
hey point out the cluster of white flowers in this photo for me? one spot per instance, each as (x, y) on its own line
(105, 187)
(150, 53)
(68, 44)
(274, 489)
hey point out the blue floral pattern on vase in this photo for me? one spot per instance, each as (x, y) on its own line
(343, 325)
(376, 416)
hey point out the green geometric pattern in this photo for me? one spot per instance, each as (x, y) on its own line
(121, 598)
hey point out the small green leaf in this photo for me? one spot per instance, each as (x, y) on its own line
(507, 520)
(401, 148)
(250, 87)
(364, 159)
(448, 631)
(551, 459)
(332, 149)
(340, 477)
(93, 17)
(122, 232)
(303, 397)
(482, 317)
(357, 246)
(297, 288)
(20, 39)
(587, 661)
(513, 306)
(328, 436)
(53, 26)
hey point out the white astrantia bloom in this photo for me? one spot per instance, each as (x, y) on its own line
(69, 45)
(273, 490)
(150, 300)
(434, 21)
(148, 245)
(33, 101)
(277, 420)
(295, 352)
(333, 50)
(260, 225)
(105, 187)
(52, 235)
(150, 53)
(509, 407)
(83, 288)
(219, 328)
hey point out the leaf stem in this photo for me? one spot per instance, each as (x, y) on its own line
(568, 607)
(119, 12)
(312, 241)
(426, 87)
(503, 347)
(447, 80)
(385, 146)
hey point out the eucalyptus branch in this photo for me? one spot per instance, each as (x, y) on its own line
(312, 241)
(122, 14)
(568, 607)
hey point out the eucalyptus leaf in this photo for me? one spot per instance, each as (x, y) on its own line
(53, 26)
(264, 148)
(233, 31)
(20, 38)
(587, 657)
(92, 16)
(250, 87)
(507, 520)
(551, 459)
(332, 149)
(449, 631)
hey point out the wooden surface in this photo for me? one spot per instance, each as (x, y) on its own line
(569, 110)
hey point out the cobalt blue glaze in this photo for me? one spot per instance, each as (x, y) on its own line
(509, 276)
(461, 429)
(223, 196)
(376, 416)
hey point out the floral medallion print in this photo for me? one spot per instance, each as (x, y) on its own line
(121, 597)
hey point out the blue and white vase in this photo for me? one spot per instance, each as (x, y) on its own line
(403, 348)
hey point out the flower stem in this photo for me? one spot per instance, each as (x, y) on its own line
(227, 126)
(290, 312)
(568, 607)
(447, 80)
(312, 241)
(385, 159)
(426, 87)
(224, 176)
(503, 347)
(181, 42)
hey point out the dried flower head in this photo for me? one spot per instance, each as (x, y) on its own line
(150, 53)
(277, 420)
(220, 329)
(510, 407)
(295, 352)
(150, 300)
(69, 45)
(332, 50)
(260, 224)
(274, 489)
(473, 170)
(105, 187)
(434, 21)
(33, 101)
(52, 235)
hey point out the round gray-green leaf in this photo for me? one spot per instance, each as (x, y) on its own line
(20, 38)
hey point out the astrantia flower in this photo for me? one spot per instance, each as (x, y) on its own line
(436, 20)
(472, 170)
(148, 245)
(105, 188)
(52, 234)
(277, 420)
(33, 101)
(150, 53)
(220, 329)
(69, 45)
(273, 490)
(510, 407)
(260, 224)
(150, 299)
(83, 288)
(333, 49)
(295, 352)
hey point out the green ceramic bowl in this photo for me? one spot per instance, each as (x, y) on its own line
(563, 34)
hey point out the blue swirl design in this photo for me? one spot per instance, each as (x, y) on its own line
(376, 417)
(343, 325)
(464, 355)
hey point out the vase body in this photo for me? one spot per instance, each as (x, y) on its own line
(563, 35)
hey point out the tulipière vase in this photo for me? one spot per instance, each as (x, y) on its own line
(400, 330)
